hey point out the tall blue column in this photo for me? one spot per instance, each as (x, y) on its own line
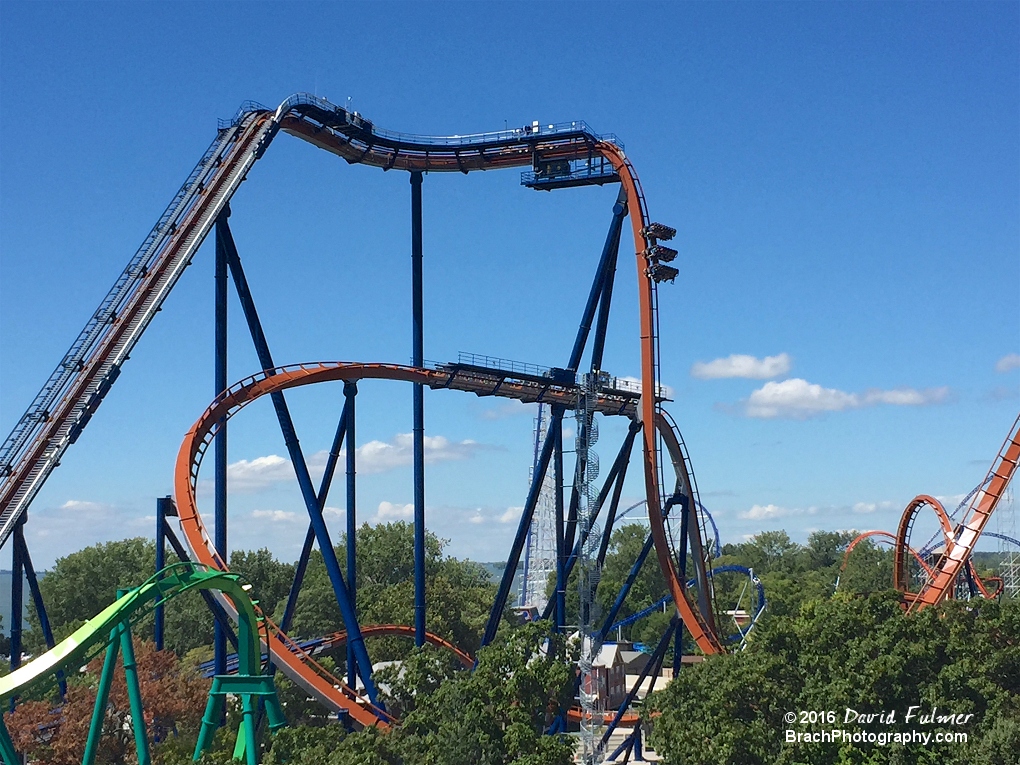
(17, 594)
(350, 394)
(418, 358)
(220, 442)
(159, 628)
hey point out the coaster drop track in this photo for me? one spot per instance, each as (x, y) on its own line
(944, 563)
(559, 156)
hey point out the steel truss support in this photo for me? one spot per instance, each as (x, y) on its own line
(559, 604)
(300, 466)
(165, 508)
(688, 509)
(120, 639)
(603, 276)
(635, 569)
(621, 596)
(614, 482)
(514, 558)
(306, 548)
(417, 359)
(599, 297)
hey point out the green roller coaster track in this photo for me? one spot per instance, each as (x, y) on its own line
(111, 629)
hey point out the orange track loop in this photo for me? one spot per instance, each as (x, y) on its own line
(885, 534)
(901, 576)
(299, 664)
(699, 628)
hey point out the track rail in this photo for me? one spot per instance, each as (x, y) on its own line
(960, 545)
(75, 389)
(85, 642)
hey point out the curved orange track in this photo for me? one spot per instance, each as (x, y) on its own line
(901, 577)
(299, 664)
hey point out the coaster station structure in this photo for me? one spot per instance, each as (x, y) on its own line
(553, 157)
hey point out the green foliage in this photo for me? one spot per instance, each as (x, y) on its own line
(270, 579)
(82, 584)
(859, 653)
(493, 715)
(459, 592)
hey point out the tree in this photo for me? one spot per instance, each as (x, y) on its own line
(846, 652)
(459, 592)
(270, 579)
(173, 698)
(82, 584)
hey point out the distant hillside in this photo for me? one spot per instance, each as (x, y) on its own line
(496, 573)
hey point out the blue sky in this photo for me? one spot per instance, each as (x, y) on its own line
(844, 178)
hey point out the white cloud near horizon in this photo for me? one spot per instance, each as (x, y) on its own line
(742, 365)
(388, 511)
(1008, 363)
(275, 516)
(798, 399)
(261, 473)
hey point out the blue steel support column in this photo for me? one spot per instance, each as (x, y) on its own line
(622, 595)
(220, 442)
(350, 394)
(615, 479)
(159, 629)
(419, 412)
(608, 277)
(17, 599)
(297, 459)
(688, 509)
(608, 256)
(37, 599)
(522, 529)
(306, 549)
(17, 595)
(652, 668)
(560, 607)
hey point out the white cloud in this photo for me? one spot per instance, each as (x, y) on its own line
(798, 399)
(391, 512)
(764, 512)
(261, 473)
(275, 516)
(740, 365)
(906, 396)
(1008, 362)
(512, 514)
(83, 506)
(246, 476)
(380, 456)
